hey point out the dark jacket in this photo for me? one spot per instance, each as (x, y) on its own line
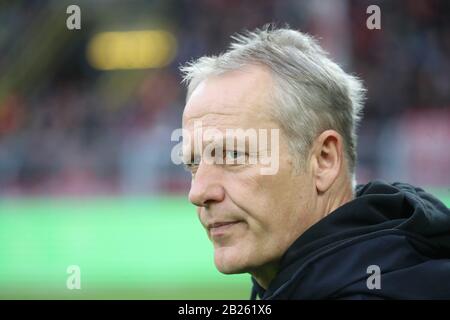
(399, 228)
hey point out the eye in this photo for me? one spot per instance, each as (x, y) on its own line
(234, 157)
(192, 164)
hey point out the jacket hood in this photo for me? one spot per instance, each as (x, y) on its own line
(398, 227)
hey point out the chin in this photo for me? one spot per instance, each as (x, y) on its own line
(230, 260)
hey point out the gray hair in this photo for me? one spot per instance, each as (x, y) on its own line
(312, 93)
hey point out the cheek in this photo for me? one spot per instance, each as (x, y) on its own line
(265, 195)
(247, 192)
(258, 199)
(269, 211)
(275, 206)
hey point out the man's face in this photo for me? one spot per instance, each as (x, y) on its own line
(250, 218)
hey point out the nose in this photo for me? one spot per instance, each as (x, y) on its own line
(206, 186)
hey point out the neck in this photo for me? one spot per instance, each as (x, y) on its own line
(342, 193)
(264, 275)
(337, 196)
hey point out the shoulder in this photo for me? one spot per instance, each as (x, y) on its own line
(386, 265)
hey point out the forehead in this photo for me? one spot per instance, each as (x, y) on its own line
(238, 98)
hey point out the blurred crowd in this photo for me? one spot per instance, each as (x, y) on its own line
(67, 128)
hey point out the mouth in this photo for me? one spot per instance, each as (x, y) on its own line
(220, 228)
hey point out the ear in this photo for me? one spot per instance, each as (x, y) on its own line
(327, 157)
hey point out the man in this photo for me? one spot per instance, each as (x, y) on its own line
(303, 231)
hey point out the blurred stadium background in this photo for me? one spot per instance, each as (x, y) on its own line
(86, 117)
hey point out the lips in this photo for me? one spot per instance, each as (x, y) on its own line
(220, 228)
(220, 224)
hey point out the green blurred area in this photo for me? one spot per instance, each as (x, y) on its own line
(126, 248)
